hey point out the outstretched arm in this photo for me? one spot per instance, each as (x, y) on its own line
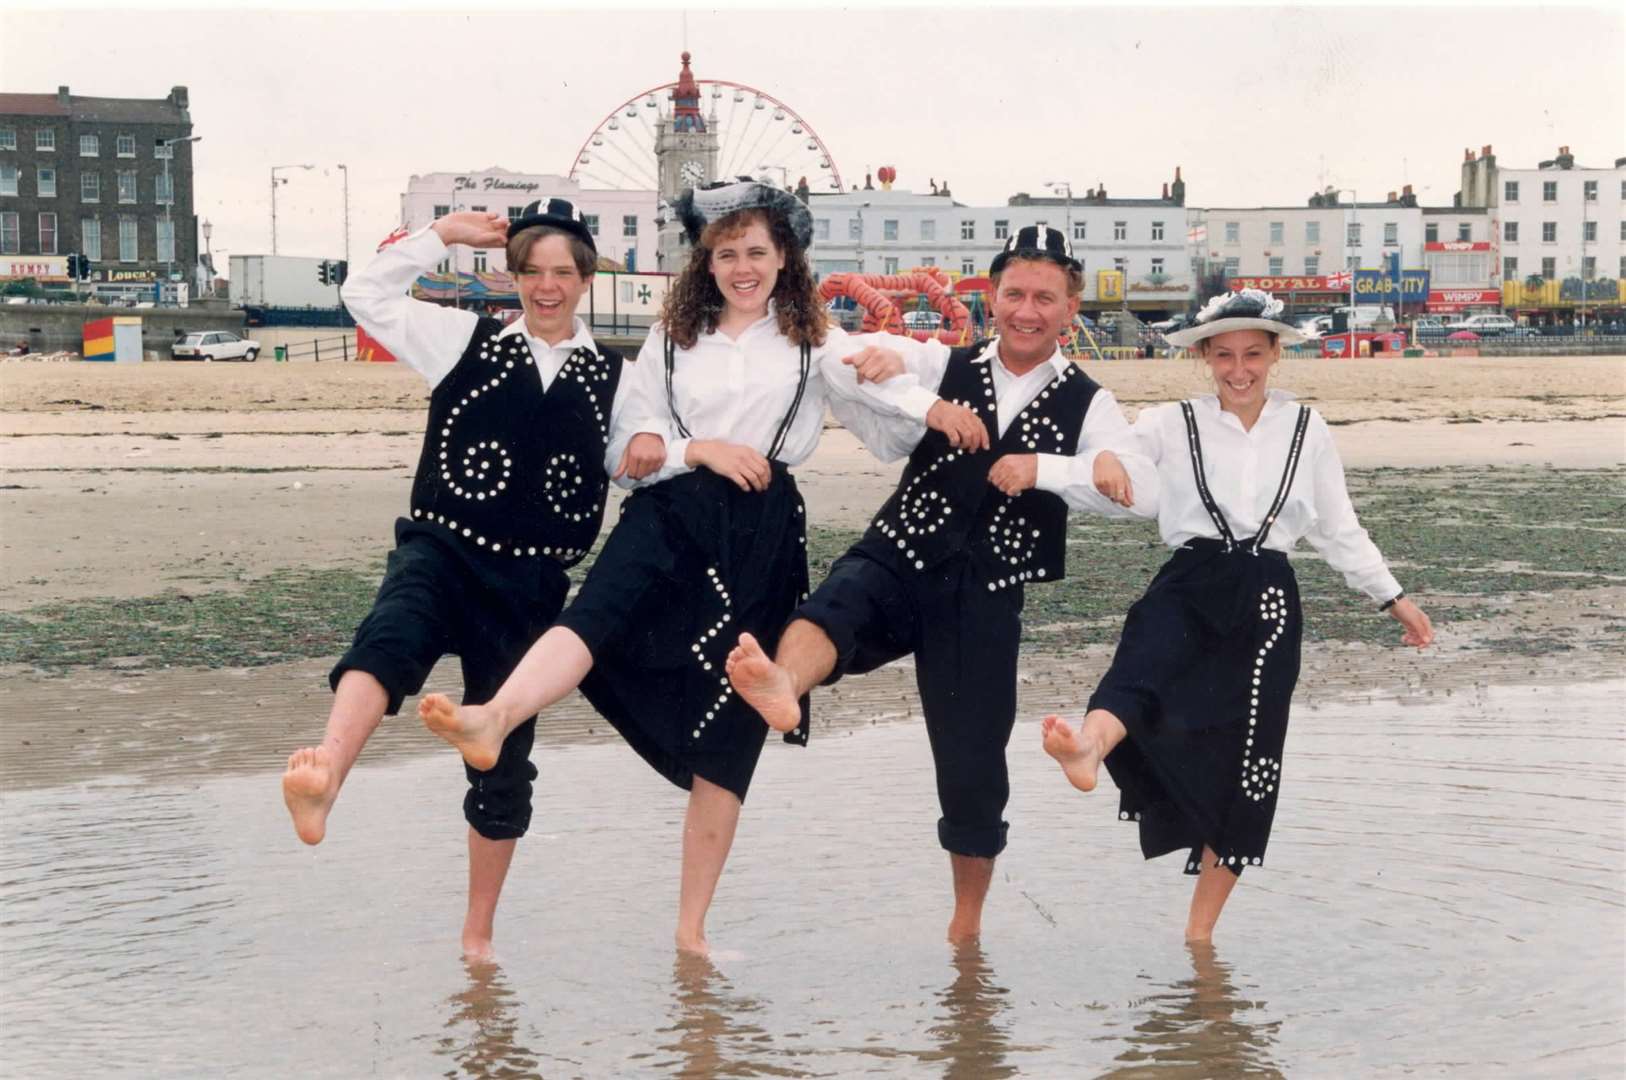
(882, 388)
(1107, 474)
(426, 337)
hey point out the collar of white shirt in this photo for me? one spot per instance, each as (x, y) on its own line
(1057, 362)
(1275, 401)
(580, 339)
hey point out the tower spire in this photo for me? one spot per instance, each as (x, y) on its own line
(686, 101)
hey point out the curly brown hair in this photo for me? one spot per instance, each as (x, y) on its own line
(694, 304)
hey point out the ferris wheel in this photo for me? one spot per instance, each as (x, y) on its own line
(757, 135)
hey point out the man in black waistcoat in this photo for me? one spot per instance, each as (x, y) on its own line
(526, 428)
(976, 517)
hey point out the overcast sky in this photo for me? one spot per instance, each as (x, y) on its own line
(1259, 106)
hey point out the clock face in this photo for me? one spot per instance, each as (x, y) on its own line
(692, 172)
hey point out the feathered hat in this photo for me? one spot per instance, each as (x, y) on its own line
(1250, 309)
(698, 207)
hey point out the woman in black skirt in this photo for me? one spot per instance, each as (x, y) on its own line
(740, 370)
(1191, 717)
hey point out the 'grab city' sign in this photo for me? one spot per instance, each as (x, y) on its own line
(1379, 287)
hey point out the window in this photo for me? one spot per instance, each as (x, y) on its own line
(1120, 230)
(968, 267)
(124, 145)
(626, 292)
(47, 224)
(1157, 266)
(163, 188)
(90, 238)
(8, 179)
(128, 252)
(479, 261)
(629, 224)
(1549, 191)
(1623, 230)
(1431, 233)
(1549, 232)
(1510, 268)
(1081, 230)
(90, 187)
(1510, 232)
(1353, 263)
(1589, 190)
(928, 260)
(928, 229)
(1510, 191)
(1121, 264)
(968, 229)
(515, 213)
(90, 145)
(1233, 232)
(1312, 265)
(8, 138)
(46, 181)
(1623, 266)
(1391, 232)
(1002, 229)
(1278, 232)
(1589, 267)
(1157, 230)
(1465, 231)
(9, 234)
(1549, 267)
(1312, 232)
(591, 221)
(855, 228)
(1233, 266)
(441, 210)
(1276, 263)
(821, 228)
(889, 265)
(166, 240)
(444, 266)
(1589, 232)
(889, 228)
(478, 209)
(1354, 234)
(45, 139)
(127, 185)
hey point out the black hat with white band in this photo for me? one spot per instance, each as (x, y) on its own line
(557, 214)
(1037, 242)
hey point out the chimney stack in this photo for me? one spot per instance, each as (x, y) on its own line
(62, 95)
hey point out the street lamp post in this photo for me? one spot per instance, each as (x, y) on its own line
(346, 170)
(169, 199)
(861, 207)
(1354, 208)
(208, 258)
(274, 182)
(1066, 188)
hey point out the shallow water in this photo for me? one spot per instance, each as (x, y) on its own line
(1445, 894)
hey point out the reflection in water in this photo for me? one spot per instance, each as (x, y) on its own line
(973, 1041)
(710, 1039)
(1197, 1028)
(484, 1027)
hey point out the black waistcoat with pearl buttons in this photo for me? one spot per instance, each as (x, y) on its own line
(945, 504)
(511, 470)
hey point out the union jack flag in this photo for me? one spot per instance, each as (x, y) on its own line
(1340, 280)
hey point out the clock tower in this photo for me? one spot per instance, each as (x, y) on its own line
(685, 157)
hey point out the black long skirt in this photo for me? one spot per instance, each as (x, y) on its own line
(1203, 679)
(692, 563)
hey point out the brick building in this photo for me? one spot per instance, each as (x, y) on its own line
(92, 176)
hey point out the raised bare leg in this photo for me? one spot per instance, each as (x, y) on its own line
(708, 833)
(1214, 885)
(972, 876)
(553, 667)
(488, 869)
(315, 773)
(774, 688)
(1080, 753)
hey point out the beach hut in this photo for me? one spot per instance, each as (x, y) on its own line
(116, 338)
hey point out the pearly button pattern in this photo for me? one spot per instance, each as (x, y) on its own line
(1260, 775)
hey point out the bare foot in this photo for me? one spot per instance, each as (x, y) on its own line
(477, 949)
(692, 944)
(964, 931)
(309, 786)
(764, 685)
(476, 730)
(1080, 758)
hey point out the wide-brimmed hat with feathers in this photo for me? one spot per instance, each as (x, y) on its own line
(1250, 309)
(698, 207)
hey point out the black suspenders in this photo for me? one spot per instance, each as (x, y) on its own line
(784, 425)
(1294, 452)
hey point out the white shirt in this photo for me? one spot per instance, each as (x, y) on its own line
(1244, 470)
(1072, 478)
(739, 390)
(431, 339)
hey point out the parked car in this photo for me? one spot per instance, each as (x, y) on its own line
(215, 345)
(922, 320)
(1429, 326)
(1485, 325)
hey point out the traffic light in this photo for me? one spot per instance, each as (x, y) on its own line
(341, 270)
(74, 271)
(322, 273)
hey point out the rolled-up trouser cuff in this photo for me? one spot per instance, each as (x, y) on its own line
(398, 677)
(976, 841)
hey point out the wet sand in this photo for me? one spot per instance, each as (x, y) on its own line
(1445, 891)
